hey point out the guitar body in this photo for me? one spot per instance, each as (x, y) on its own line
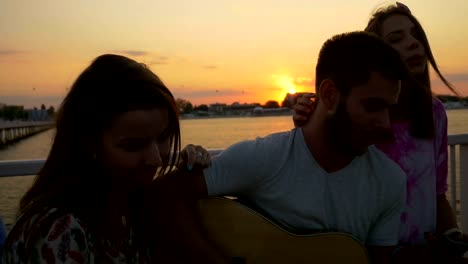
(248, 237)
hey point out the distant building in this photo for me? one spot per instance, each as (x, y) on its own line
(217, 108)
(37, 114)
(241, 109)
(259, 111)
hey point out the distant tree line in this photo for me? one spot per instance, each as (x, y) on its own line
(17, 112)
(452, 98)
(13, 112)
(186, 107)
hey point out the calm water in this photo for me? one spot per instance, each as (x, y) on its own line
(210, 133)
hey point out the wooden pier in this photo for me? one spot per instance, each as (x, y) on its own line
(15, 130)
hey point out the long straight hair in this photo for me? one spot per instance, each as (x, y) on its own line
(418, 88)
(71, 178)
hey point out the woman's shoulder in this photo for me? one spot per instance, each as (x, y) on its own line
(48, 222)
(437, 105)
(43, 233)
(440, 115)
(64, 224)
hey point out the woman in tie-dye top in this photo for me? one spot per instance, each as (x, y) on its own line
(419, 124)
(419, 141)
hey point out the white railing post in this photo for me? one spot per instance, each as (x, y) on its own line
(464, 186)
(453, 178)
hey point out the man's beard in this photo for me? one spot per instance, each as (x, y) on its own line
(340, 133)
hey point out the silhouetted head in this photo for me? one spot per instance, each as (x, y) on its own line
(115, 129)
(396, 25)
(357, 80)
(399, 27)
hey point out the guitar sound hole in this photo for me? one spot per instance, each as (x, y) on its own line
(238, 260)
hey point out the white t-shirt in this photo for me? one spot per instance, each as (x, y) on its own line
(279, 175)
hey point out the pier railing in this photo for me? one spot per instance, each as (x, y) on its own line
(458, 177)
(11, 131)
(458, 174)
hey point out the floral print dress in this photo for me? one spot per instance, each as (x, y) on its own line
(68, 241)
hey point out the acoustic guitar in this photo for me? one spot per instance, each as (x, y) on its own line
(248, 237)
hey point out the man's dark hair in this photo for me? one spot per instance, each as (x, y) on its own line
(349, 59)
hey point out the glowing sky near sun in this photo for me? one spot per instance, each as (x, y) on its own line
(206, 51)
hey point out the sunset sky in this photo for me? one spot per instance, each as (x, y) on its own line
(206, 51)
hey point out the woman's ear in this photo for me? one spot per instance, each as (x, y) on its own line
(329, 95)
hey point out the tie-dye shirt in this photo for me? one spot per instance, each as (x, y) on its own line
(68, 241)
(425, 162)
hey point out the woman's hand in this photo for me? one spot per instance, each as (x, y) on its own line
(303, 108)
(194, 155)
(448, 248)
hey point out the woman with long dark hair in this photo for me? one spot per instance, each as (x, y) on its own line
(117, 129)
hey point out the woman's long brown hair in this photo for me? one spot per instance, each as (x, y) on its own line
(71, 179)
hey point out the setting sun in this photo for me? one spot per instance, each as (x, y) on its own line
(286, 83)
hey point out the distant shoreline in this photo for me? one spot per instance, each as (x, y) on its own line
(230, 116)
(456, 108)
(185, 117)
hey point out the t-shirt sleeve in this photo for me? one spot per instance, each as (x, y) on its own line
(64, 243)
(441, 147)
(385, 231)
(237, 169)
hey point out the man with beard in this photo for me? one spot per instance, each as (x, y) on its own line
(325, 176)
